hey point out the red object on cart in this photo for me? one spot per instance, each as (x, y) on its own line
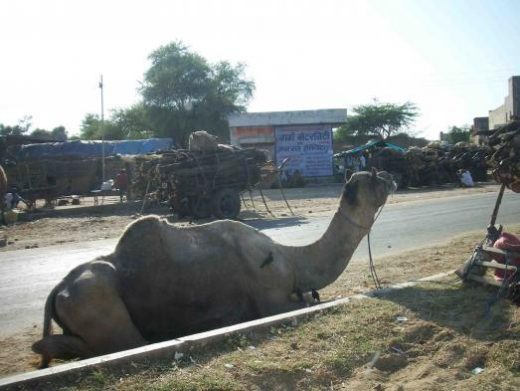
(507, 242)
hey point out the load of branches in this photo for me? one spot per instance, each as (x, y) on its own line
(226, 166)
(433, 164)
(204, 180)
(505, 159)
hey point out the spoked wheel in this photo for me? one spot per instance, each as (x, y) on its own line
(225, 204)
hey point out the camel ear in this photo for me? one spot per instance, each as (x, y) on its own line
(374, 175)
(350, 192)
(348, 174)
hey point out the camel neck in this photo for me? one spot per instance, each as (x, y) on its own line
(320, 263)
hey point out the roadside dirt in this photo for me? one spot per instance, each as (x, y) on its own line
(310, 201)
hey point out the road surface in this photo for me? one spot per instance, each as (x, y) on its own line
(27, 276)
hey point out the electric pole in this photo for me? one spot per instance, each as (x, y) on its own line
(102, 131)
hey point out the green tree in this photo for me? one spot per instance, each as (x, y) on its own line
(92, 129)
(377, 119)
(456, 134)
(59, 133)
(133, 122)
(19, 129)
(183, 92)
(41, 133)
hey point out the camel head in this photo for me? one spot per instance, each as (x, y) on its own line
(368, 189)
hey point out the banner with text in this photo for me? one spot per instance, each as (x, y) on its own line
(309, 149)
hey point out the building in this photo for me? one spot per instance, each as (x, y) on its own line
(303, 137)
(479, 130)
(510, 109)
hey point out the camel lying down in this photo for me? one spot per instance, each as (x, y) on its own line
(163, 281)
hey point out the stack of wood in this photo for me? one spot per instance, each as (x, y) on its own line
(225, 167)
(505, 159)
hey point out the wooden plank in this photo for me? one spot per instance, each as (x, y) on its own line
(497, 251)
(496, 265)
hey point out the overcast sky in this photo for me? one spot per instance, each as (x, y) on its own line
(450, 57)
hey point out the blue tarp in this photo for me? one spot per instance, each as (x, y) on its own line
(79, 149)
(371, 144)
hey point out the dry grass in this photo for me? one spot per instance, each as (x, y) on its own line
(447, 333)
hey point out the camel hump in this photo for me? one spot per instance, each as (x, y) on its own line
(143, 232)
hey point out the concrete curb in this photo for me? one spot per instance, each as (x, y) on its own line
(191, 342)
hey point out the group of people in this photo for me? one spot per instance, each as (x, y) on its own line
(355, 162)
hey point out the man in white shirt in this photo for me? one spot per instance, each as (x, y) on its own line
(466, 180)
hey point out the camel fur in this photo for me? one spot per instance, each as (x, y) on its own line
(164, 281)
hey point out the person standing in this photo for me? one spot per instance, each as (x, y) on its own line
(362, 162)
(121, 182)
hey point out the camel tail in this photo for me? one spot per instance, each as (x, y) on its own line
(49, 313)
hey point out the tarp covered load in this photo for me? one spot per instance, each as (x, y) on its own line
(79, 149)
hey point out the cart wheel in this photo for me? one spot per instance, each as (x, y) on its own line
(226, 204)
(201, 208)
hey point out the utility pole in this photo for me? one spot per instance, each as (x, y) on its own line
(102, 131)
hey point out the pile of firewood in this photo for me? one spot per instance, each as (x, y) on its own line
(505, 159)
(226, 166)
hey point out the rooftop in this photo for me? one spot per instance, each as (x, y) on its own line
(300, 117)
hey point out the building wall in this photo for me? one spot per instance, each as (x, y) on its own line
(511, 107)
(479, 124)
(259, 137)
(304, 136)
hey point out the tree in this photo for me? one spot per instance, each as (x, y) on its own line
(183, 92)
(19, 129)
(378, 119)
(92, 129)
(59, 133)
(41, 133)
(456, 134)
(133, 122)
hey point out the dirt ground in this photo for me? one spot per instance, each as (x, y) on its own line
(310, 201)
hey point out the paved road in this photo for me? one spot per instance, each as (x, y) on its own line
(27, 276)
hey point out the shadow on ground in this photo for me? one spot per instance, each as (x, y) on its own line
(471, 309)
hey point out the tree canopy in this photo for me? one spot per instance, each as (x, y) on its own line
(456, 134)
(21, 128)
(377, 119)
(58, 133)
(183, 92)
(92, 129)
(123, 124)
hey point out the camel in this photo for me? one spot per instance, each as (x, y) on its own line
(3, 191)
(163, 281)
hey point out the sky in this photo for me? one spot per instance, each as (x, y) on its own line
(452, 58)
